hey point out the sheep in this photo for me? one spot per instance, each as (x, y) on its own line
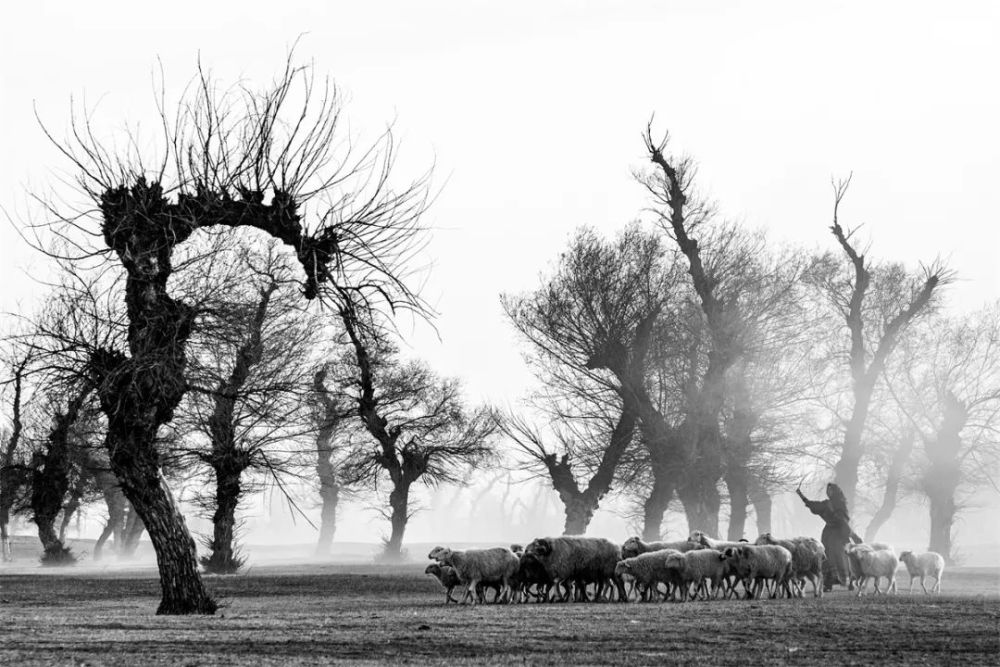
(854, 565)
(872, 563)
(579, 559)
(448, 578)
(707, 542)
(929, 564)
(694, 567)
(757, 563)
(649, 570)
(634, 546)
(807, 560)
(496, 565)
(530, 572)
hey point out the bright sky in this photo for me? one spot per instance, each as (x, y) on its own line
(533, 113)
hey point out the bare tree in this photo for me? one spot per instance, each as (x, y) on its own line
(224, 154)
(422, 429)
(13, 478)
(590, 327)
(948, 384)
(331, 410)
(682, 212)
(874, 331)
(248, 368)
(52, 469)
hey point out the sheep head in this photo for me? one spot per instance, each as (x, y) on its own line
(440, 554)
(539, 548)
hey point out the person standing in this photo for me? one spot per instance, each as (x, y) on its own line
(836, 534)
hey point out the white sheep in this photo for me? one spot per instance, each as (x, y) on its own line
(808, 556)
(710, 543)
(634, 546)
(873, 563)
(929, 564)
(474, 566)
(759, 564)
(695, 567)
(853, 562)
(649, 570)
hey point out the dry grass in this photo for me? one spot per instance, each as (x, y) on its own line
(306, 614)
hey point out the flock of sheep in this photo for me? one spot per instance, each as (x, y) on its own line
(593, 568)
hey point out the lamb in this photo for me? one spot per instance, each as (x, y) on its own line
(694, 567)
(448, 578)
(929, 564)
(873, 564)
(496, 565)
(758, 563)
(579, 559)
(808, 556)
(634, 546)
(649, 570)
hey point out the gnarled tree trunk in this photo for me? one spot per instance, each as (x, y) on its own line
(331, 413)
(11, 479)
(115, 501)
(739, 498)
(132, 533)
(944, 474)
(897, 466)
(223, 558)
(761, 500)
(399, 504)
(50, 481)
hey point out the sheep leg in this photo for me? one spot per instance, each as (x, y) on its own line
(921, 585)
(472, 592)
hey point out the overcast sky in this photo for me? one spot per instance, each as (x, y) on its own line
(532, 113)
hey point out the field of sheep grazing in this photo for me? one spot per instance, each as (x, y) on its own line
(323, 613)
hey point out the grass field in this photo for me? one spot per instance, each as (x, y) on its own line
(308, 613)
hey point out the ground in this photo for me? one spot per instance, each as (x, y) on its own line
(307, 613)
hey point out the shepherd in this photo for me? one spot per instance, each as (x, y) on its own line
(836, 533)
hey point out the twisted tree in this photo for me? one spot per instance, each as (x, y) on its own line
(423, 430)
(271, 160)
(13, 477)
(874, 331)
(590, 327)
